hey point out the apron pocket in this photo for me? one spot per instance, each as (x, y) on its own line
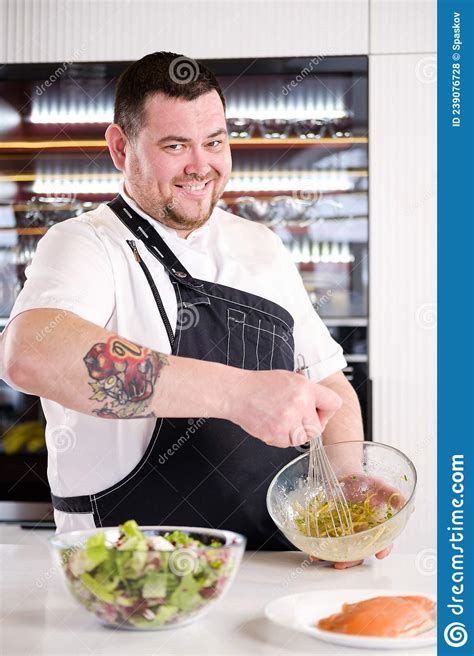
(235, 338)
(255, 342)
(188, 312)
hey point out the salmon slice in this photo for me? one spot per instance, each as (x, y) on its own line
(386, 617)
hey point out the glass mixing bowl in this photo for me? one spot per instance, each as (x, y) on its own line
(150, 588)
(363, 468)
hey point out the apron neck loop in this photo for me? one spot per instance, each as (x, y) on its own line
(146, 233)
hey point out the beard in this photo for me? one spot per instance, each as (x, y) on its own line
(169, 213)
(168, 210)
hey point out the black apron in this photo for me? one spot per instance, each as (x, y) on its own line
(198, 471)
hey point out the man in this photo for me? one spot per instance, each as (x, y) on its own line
(161, 333)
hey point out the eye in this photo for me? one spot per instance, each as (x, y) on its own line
(215, 143)
(174, 147)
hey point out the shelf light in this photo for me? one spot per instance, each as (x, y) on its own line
(314, 185)
(57, 113)
(286, 113)
(58, 186)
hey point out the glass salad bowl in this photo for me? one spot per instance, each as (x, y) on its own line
(151, 577)
(379, 485)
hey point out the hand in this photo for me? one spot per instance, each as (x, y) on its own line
(353, 563)
(356, 488)
(280, 408)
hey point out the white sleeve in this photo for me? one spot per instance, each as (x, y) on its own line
(322, 354)
(71, 271)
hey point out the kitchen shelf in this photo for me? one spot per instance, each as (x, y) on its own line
(296, 142)
(238, 143)
(356, 357)
(230, 196)
(351, 322)
(32, 177)
(26, 231)
(295, 229)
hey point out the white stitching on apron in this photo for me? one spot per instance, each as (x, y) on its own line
(273, 348)
(94, 500)
(256, 346)
(228, 339)
(237, 321)
(252, 307)
(179, 331)
(275, 334)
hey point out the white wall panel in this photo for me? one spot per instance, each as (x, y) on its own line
(398, 26)
(87, 30)
(402, 156)
(402, 193)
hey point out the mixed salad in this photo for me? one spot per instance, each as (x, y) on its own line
(146, 581)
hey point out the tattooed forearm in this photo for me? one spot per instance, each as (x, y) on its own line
(124, 376)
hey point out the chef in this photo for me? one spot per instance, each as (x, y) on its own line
(161, 332)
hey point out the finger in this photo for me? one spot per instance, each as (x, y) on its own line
(298, 436)
(326, 399)
(327, 403)
(324, 417)
(385, 552)
(352, 563)
(315, 559)
(305, 433)
(312, 427)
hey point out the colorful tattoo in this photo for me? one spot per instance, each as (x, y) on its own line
(124, 376)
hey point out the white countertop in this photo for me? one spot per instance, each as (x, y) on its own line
(39, 616)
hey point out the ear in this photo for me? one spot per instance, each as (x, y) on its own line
(117, 142)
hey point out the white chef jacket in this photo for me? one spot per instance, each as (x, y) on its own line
(85, 266)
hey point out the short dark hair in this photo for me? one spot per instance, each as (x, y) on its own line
(174, 75)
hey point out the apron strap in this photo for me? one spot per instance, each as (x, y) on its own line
(146, 233)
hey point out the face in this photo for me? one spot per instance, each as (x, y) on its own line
(177, 167)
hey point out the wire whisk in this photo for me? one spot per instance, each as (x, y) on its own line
(326, 512)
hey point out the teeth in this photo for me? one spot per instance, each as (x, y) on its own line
(195, 187)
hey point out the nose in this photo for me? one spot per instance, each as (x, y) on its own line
(197, 164)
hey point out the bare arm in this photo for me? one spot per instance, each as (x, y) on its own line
(59, 356)
(346, 424)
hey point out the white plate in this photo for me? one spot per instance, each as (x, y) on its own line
(302, 611)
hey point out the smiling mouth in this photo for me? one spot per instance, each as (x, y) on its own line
(194, 187)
